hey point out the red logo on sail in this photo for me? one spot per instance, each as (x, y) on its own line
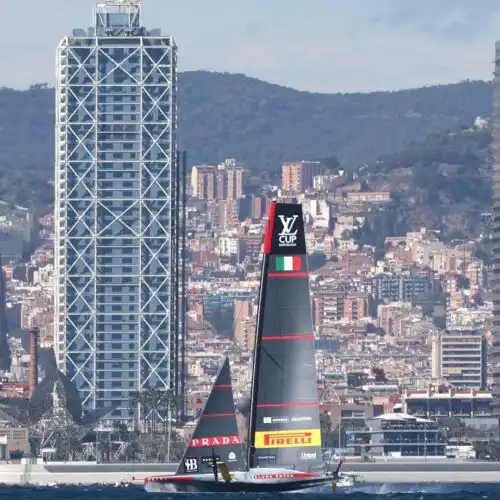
(214, 441)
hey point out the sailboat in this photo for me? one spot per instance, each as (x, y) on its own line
(284, 436)
(215, 440)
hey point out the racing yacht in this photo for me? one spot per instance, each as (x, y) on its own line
(215, 440)
(284, 436)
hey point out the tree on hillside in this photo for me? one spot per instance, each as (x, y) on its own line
(331, 163)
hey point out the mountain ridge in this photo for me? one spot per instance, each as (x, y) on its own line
(381, 127)
(224, 115)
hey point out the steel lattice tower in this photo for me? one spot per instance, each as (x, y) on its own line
(5, 355)
(117, 209)
(495, 257)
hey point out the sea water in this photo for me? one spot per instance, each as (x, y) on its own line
(457, 491)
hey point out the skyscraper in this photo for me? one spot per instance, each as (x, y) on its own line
(5, 355)
(495, 257)
(31, 235)
(118, 208)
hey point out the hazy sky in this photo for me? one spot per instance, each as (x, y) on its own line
(336, 46)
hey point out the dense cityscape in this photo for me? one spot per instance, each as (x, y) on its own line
(119, 302)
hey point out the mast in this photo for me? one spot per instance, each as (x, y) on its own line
(258, 335)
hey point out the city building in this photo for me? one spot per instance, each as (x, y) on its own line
(459, 358)
(233, 180)
(119, 198)
(389, 316)
(14, 443)
(369, 197)
(472, 407)
(5, 355)
(357, 306)
(297, 177)
(203, 182)
(228, 246)
(397, 434)
(393, 287)
(253, 206)
(328, 307)
(350, 415)
(495, 254)
(244, 323)
(31, 236)
(227, 215)
(222, 301)
(328, 182)
(250, 248)
(453, 290)
(218, 182)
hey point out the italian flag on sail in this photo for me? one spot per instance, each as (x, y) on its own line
(288, 263)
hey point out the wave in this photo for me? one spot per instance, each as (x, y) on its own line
(361, 491)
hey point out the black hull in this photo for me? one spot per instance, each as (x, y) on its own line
(236, 486)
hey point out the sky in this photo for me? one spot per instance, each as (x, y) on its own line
(334, 46)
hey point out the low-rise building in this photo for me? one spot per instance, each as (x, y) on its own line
(397, 434)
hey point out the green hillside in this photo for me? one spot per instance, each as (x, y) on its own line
(442, 183)
(224, 115)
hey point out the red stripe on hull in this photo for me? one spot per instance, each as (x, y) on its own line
(268, 239)
(288, 275)
(168, 479)
(288, 337)
(287, 405)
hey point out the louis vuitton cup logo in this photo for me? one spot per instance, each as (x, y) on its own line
(288, 236)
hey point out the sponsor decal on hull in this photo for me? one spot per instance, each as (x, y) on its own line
(287, 237)
(279, 475)
(191, 464)
(288, 439)
(214, 441)
(210, 460)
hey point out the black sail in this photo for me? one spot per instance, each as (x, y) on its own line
(284, 426)
(216, 432)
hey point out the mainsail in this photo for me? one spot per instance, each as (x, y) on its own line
(284, 428)
(216, 432)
